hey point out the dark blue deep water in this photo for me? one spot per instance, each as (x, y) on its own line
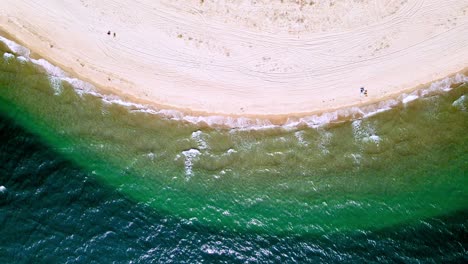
(53, 212)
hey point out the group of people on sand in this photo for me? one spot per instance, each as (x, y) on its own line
(363, 91)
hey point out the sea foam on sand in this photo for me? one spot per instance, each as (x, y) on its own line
(221, 121)
(247, 58)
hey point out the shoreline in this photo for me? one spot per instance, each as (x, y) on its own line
(312, 119)
(125, 89)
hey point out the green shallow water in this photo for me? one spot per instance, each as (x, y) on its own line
(395, 168)
(53, 211)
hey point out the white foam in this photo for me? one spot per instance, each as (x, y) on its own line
(230, 151)
(198, 137)
(300, 138)
(459, 100)
(356, 126)
(409, 98)
(315, 121)
(235, 123)
(444, 84)
(151, 155)
(356, 158)
(2, 189)
(318, 120)
(117, 100)
(49, 68)
(56, 84)
(370, 110)
(374, 138)
(217, 250)
(255, 222)
(364, 133)
(16, 48)
(376, 112)
(459, 103)
(22, 59)
(8, 56)
(190, 155)
(172, 114)
(148, 111)
(325, 140)
(224, 121)
(81, 87)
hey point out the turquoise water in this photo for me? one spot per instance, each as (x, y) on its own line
(90, 180)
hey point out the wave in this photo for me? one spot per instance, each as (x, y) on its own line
(15, 47)
(239, 123)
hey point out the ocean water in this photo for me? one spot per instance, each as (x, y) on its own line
(88, 179)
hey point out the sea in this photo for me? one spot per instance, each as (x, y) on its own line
(90, 178)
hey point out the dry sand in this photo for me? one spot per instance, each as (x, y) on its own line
(239, 57)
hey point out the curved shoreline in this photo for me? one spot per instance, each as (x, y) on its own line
(245, 122)
(276, 113)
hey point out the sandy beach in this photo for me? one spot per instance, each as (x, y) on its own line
(246, 58)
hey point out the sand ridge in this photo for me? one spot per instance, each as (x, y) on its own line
(247, 57)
